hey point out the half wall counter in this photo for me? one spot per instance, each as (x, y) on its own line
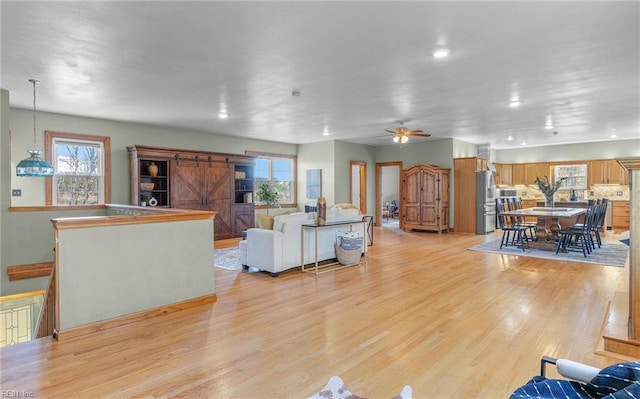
(134, 262)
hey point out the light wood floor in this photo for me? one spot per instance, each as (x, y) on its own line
(425, 311)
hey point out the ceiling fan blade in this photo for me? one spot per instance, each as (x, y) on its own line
(418, 133)
(390, 131)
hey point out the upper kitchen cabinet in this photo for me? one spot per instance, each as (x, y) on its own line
(607, 171)
(533, 170)
(504, 174)
(517, 174)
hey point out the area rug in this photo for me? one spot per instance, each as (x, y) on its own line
(610, 254)
(227, 258)
(335, 389)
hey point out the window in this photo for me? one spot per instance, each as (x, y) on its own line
(279, 171)
(81, 166)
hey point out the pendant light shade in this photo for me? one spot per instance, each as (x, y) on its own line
(34, 166)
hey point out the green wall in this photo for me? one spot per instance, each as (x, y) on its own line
(316, 156)
(346, 152)
(122, 135)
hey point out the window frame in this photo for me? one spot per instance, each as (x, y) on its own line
(104, 141)
(294, 172)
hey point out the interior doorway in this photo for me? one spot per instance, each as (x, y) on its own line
(358, 195)
(388, 190)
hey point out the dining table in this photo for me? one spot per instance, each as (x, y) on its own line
(549, 223)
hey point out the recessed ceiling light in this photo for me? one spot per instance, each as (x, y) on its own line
(548, 126)
(510, 138)
(223, 115)
(515, 103)
(441, 52)
(325, 132)
(524, 143)
(613, 136)
(295, 93)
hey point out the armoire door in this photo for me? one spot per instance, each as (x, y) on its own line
(411, 200)
(428, 198)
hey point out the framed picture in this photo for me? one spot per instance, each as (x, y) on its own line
(314, 183)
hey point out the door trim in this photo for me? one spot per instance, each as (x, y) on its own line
(363, 184)
(379, 165)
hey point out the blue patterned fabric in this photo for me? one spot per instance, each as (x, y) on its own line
(620, 380)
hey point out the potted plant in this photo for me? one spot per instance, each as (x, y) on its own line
(143, 199)
(267, 195)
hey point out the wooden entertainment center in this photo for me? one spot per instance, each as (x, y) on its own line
(197, 180)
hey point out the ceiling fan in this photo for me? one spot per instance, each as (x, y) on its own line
(401, 134)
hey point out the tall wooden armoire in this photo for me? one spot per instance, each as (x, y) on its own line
(425, 198)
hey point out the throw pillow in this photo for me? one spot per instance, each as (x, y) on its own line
(265, 222)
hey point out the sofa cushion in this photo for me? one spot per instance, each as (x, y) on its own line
(297, 218)
(340, 215)
(265, 222)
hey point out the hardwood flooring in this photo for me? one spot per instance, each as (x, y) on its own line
(424, 312)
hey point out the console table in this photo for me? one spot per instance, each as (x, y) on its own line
(329, 266)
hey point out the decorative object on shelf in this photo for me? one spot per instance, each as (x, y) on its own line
(267, 196)
(573, 197)
(34, 166)
(143, 200)
(241, 175)
(549, 189)
(322, 211)
(152, 169)
(247, 198)
(147, 186)
(153, 201)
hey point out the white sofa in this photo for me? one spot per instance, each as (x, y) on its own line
(280, 249)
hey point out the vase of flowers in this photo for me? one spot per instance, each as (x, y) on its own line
(549, 189)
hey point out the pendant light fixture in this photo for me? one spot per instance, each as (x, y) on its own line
(34, 166)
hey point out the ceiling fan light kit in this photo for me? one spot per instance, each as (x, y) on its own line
(401, 134)
(441, 52)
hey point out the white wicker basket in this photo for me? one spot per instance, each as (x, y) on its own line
(348, 257)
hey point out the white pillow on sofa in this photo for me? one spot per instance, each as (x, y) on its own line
(280, 221)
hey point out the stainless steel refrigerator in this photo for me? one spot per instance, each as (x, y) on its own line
(485, 202)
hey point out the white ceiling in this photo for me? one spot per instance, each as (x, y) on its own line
(360, 67)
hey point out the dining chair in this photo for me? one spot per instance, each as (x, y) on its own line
(600, 212)
(578, 236)
(505, 224)
(531, 227)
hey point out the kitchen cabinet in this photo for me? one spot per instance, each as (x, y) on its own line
(464, 188)
(517, 175)
(504, 174)
(620, 215)
(607, 171)
(533, 170)
(203, 181)
(425, 198)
